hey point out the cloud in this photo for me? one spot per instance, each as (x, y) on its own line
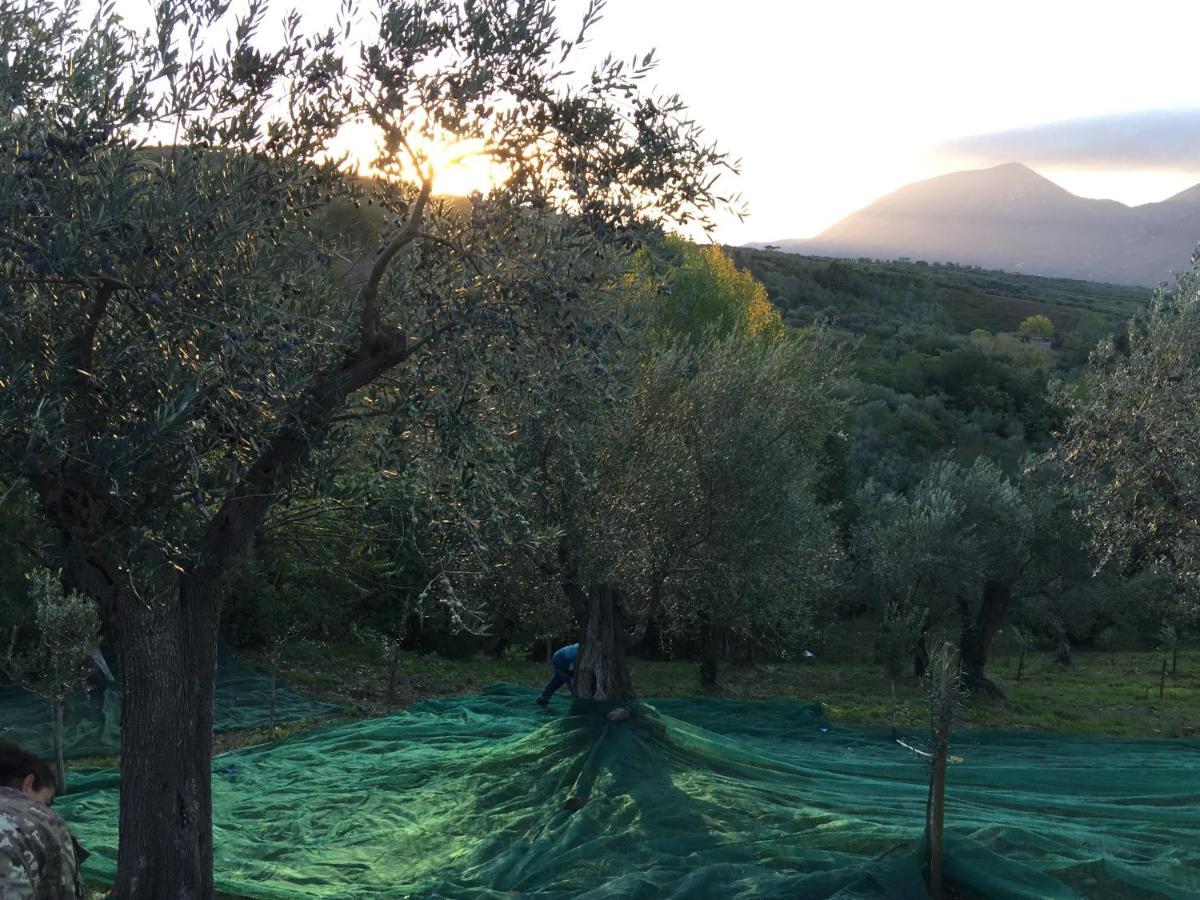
(1158, 139)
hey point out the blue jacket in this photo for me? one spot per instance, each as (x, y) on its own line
(564, 659)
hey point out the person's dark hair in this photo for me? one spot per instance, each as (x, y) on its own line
(17, 764)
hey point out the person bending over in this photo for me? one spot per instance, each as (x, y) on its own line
(564, 673)
(39, 858)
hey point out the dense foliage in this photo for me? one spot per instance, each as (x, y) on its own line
(185, 354)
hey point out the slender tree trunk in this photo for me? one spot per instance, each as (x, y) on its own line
(978, 632)
(168, 646)
(1162, 679)
(60, 768)
(1062, 651)
(920, 656)
(1021, 662)
(895, 735)
(943, 708)
(1062, 641)
(937, 818)
(1175, 661)
(709, 652)
(393, 671)
(602, 668)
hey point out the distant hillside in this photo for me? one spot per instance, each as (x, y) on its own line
(876, 299)
(1011, 218)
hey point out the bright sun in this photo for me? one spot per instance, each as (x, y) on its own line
(459, 167)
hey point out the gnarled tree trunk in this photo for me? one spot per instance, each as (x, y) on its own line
(602, 668)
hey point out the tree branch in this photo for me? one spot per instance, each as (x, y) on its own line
(245, 507)
(370, 291)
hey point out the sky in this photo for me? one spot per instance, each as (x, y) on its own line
(832, 104)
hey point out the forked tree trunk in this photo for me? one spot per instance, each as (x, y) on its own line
(978, 631)
(168, 647)
(167, 634)
(602, 668)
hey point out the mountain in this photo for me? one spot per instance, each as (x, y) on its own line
(1009, 217)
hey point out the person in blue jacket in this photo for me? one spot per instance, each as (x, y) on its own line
(564, 671)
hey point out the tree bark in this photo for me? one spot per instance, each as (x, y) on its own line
(602, 668)
(977, 633)
(168, 646)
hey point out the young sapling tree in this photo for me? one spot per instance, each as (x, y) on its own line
(52, 664)
(945, 683)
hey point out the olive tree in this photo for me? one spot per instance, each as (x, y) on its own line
(711, 477)
(1130, 436)
(178, 337)
(957, 545)
(669, 496)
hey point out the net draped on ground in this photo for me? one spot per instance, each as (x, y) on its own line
(92, 721)
(464, 798)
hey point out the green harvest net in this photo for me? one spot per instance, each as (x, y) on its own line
(92, 721)
(464, 798)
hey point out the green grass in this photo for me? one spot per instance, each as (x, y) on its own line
(1102, 693)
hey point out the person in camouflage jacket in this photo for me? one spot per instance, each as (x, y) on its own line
(39, 858)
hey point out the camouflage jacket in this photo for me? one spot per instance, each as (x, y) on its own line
(37, 852)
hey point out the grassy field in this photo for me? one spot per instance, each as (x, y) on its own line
(1112, 693)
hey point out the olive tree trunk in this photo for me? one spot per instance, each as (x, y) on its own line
(978, 631)
(602, 667)
(168, 647)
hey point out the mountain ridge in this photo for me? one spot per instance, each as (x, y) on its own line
(1012, 218)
